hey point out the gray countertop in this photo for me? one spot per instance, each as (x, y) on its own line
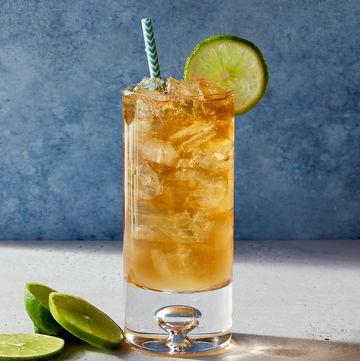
(293, 300)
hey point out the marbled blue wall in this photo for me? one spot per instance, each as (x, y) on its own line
(62, 63)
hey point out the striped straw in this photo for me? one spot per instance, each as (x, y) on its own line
(150, 48)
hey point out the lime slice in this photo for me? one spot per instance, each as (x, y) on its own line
(36, 299)
(25, 346)
(85, 321)
(234, 64)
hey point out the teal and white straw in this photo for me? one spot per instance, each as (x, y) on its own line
(150, 48)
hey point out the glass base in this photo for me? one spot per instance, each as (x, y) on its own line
(157, 343)
(178, 323)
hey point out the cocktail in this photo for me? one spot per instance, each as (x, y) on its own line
(178, 197)
(178, 144)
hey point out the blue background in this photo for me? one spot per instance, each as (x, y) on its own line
(62, 64)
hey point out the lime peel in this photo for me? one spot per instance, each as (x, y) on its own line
(36, 298)
(85, 321)
(232, 63)
(31, 347)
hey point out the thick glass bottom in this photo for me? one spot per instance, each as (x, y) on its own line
(157, 343)
(178, 323)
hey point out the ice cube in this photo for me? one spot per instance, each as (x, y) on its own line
(208, 190)
(202, 225)
(211, 90)
(177, 227)
(187, 175)
(149, 184)
(217, 155)
(151, 84)
(180, 220)
(191, 88)
(188, 132)
(179, 259)
(208, 225)
(160, 263)
(161, 153)
(183, 88)
(160, 219)
(194, 87)
(144, 108)
(142, 231)
(149, 219)
(156, 117)
(197, 140)
(129, 106)
(211, 190)
(193, 136)
(153, 117)
(145, 126)
(179, 235)
(164, 226)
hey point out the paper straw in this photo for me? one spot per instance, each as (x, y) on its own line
(150, 48)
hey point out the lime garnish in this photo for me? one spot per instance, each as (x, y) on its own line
(85, 321)
(25, 346)
(36, 299)
(234, 64)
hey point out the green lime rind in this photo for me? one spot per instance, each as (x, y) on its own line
(246, 44)
(31, 347)
(85, 321)
(36, 298)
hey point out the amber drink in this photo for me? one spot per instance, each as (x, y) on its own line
(178, 147)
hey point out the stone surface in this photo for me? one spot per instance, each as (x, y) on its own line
(292, 299)
(63, 62)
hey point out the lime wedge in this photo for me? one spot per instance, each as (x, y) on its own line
(36, 299)
(25, 346)
(234, 64)
(85, 321)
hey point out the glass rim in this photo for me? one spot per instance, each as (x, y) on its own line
(127, 90)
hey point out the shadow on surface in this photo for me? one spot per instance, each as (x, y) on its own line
(80, 351)
(263, 348)
(242, 347)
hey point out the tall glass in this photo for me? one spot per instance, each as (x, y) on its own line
(178, 220)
